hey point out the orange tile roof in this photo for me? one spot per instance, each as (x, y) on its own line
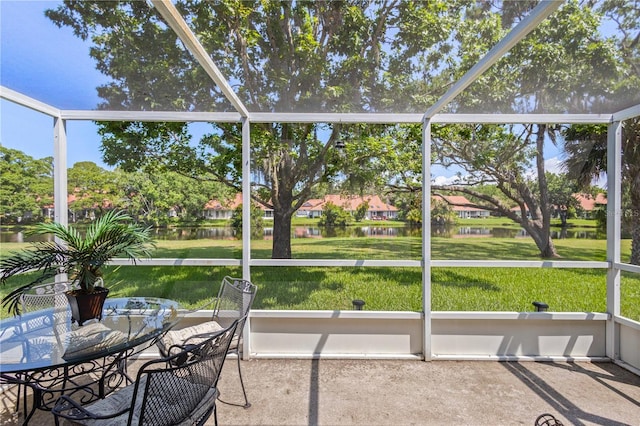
(456, 200)
(351, 203)
(588, 202)
(229, 205)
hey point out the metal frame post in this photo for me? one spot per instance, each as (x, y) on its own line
(426, 238)
(60, 203)
(614, 221)
(246, 224)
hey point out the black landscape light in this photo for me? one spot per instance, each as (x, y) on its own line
(540, 306)
(358, 304)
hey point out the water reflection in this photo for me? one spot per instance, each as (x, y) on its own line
(218, 233)
(228, 233)
(21, 237)
(353, 232)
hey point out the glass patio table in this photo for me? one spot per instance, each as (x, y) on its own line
(47, 353)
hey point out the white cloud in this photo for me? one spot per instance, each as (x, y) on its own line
(444, 180)
(554, 165)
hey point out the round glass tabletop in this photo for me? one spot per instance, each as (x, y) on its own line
(48, 338)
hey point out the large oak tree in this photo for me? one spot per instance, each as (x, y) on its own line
(545, 73)
(26, 184)
(282, 56)
(586, 146)
(341, 56)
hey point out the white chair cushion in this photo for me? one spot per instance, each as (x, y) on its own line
(90, 338)
(192, 335)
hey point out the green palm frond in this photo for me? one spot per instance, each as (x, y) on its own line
(82, 258)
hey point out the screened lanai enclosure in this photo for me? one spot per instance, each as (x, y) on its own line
(488, 106)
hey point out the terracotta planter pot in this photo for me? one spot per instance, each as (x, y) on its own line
(87, 306)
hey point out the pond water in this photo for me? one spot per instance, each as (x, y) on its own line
(227, 233)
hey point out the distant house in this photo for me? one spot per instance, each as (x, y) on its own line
(457, 203)
(75, 214)
(216, 209)
(378, 209)
(518, 212)
(311, 208)
(589, 203)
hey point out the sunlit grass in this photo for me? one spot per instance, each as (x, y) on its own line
(395, 248)
(389, 289)
(394, 289)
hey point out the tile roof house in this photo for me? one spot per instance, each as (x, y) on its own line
(457, 203)
(589, 203)
(216, 209)
(378, 209)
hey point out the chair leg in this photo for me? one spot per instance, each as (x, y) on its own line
(19, 386)
(24, 399)
(246, 400)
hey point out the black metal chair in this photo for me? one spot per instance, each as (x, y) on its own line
(43, 296)
(233, 303)
(178, 390)
(547, 420)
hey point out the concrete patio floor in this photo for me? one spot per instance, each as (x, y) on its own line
(392, 392)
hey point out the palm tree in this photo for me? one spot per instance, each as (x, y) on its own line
(82, 258)
(586, 148)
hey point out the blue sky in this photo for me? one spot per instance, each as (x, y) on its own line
(40, 60)
(53, 66)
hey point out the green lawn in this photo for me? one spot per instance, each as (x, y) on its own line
(330, 288)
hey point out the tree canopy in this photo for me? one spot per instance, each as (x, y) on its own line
(26, 184)
(344, 56)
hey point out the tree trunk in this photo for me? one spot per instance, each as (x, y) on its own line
(563, 217)
(543, 240)
(281, 234)
(549, 250)
(543, 230)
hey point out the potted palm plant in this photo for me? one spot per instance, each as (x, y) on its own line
(80, 257)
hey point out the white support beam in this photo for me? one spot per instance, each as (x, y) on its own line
(28, 102)
(160, 261)
(614, 220)
(528, 24)
(374, 118)
(627, 267)
(246, 225)
(180, 27)
(341, 263)
(577, 264)
(60, 201)
(270, 117)
(246, 200)
(626, 114)
(427, 350)
(522, 118)
(152, 116)
(377, 118)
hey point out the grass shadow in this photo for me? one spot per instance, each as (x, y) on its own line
(449, 278)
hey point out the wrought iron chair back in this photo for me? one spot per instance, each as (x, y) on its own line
(50, 295)
(178, 389)
(45, 296)
(234, 301)
(547, 419)
(39, 297)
